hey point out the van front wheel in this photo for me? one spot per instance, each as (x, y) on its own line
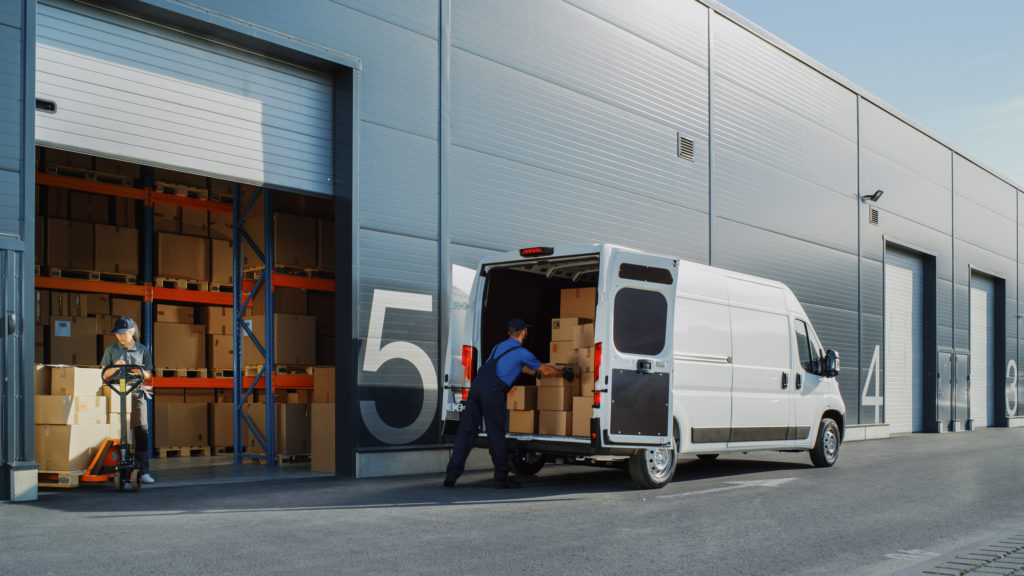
(653, 468)
(826, 449)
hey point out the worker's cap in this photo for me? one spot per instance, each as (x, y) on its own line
(123, 325)
(517, 324)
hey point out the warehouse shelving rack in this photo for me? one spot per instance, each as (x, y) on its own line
(241, 385)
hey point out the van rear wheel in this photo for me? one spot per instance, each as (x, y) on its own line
(653, 468)
(527, 463)
(826, 449)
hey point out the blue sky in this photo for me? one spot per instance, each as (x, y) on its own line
(953, 67)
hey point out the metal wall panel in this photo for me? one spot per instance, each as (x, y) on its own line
(985, 209)
(11, 201)
(499, 204)
(678, 27)
(904, 341)
(10, 15)
(10, 102)
(402, 201)
(128, 89)
(506, 113)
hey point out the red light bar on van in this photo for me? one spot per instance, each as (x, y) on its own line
(468, 363)
(536, 251)
(597, 362)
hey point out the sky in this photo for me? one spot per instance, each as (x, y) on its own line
(954, 67)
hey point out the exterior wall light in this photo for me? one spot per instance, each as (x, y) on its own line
(872, 197)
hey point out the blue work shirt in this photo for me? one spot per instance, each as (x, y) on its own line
(511, 365)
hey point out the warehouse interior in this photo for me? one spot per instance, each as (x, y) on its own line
(115, 238)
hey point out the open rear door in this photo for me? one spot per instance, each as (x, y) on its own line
(460, 334)
(642, 295)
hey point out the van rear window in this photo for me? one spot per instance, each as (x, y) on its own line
(640, 321)
(645, 273)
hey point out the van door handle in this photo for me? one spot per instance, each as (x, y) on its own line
(785, 380)
(799, 382)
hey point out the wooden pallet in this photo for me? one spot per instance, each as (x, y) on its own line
(118, 277)
(280, 369)
(181, 190)
(222, 450)
(60, 478)
(183, 451)
(92, 175)
(253, 272)
(219, 287)
(180, 372)
(79, 274)
(181, 284)
(223, 373)
(280, 458)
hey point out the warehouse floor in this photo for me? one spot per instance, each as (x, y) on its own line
(221, 470)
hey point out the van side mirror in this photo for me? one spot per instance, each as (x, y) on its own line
(831, 364)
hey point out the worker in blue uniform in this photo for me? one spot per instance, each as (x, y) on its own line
(487, 397)
(127, 350)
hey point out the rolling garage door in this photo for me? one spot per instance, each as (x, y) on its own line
(904, 341)
(983, 353)
(131, 90)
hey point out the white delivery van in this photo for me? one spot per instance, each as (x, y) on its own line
(688, 360)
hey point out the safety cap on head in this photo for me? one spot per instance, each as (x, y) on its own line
(517, 325)
(123, 324)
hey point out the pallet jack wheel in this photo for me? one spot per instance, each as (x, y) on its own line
(136, 479)
(119, 481)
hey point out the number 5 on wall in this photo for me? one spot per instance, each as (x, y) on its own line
(376, 356)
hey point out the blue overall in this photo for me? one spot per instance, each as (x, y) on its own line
(487, 398)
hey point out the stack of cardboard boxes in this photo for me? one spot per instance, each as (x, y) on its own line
(74, 414)
(558, 406)
(321, 419)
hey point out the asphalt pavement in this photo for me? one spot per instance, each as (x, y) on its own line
(904, 505)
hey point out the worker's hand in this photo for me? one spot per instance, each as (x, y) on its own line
(568, 374)
(119, 362)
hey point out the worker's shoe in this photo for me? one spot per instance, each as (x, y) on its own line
(449, 481)
(147, 479)
(506, 483)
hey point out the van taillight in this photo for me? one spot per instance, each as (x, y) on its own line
(536, 251)
(597, 362)
(468, 362)
(597, 399)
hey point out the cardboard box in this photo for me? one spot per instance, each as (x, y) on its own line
(294, 337)
(125, 307)
(94, 304)
(220, 261)
(55, 157)
(564, 352)
(42, 379)
(325, 349)
(222, 424)
(73, 341)
(179, 345)
(323, 384)
(568, 328)
(286, 301)
(117, 249)
(555, 398)
(194, 222)
(220, 225)
(220, 352)
(291, 427)
(522, 422)
(175, 314)
(62, 448)
(125, 212)
(587, 385)
(165, 175)
(295, 240)
(168, 396)
(522, 398)
(114, 407)
(585, 359)
(321, 305)
(185, 257)
(574, 383)
(86, 207)
(582, 412)
(74, 381)
(166, 218)
(42, 315)
(71, 410)
(578, 303)
(217, 319)
(180, 425)
(200, 395)
(325, 244)
(119, 167)
(554, 423)
(57, 203)
(70, 244)
(321, 441)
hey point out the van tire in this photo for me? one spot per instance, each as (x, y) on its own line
(527, 463)
(653, 468)
(826, 448)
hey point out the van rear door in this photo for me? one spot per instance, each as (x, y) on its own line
(637, 383)
(460, 336)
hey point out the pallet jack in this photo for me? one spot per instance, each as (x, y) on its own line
(115, 459)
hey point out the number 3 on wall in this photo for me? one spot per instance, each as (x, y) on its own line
(376, 356)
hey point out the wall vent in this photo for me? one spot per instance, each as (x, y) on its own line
(685, 148)
(873, 216)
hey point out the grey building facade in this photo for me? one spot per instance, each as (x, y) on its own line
(461, 128)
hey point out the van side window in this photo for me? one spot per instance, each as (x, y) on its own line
(809, 356)
(640, 321)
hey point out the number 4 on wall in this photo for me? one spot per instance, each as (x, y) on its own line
(876, 400)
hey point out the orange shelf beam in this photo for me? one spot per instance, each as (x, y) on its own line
(83, 185)
(191, 296)
(174, 200)
(284, 382)
(289, 281)
(77, 285)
